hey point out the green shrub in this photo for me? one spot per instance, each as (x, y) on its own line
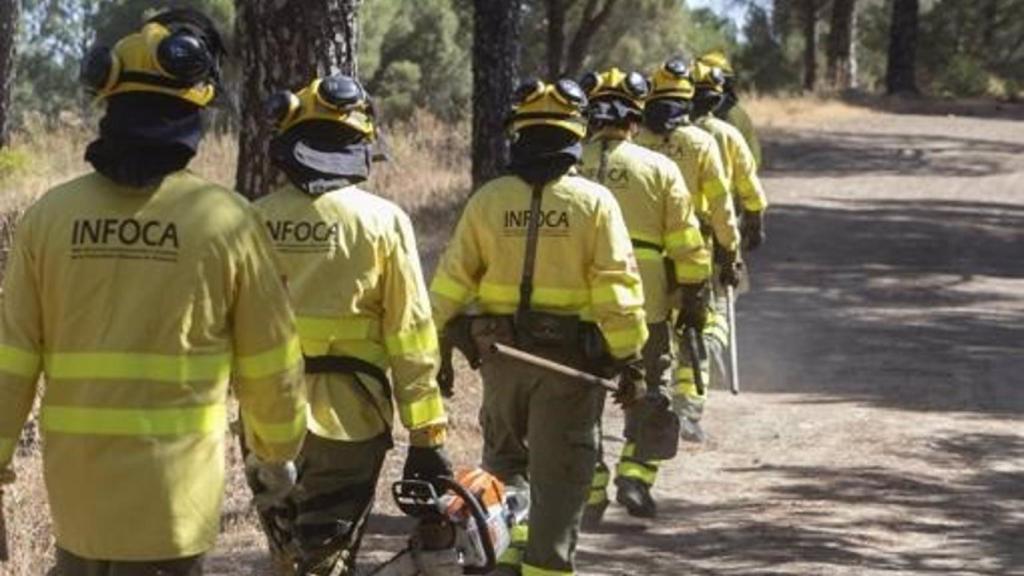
(13, 161)
(963, 76)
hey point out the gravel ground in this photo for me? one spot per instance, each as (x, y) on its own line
(880, 428)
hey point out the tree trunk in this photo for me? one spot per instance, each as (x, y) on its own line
(9, 12)
(841, 65)
(496, 31)
(556, 37)
(901, 71)
(595, 15)
(809, 17)
(284, 45)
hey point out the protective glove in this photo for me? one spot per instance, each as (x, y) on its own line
(272, 481)
(446, 372)
(427, 463)
(730, 268)
(631, 381)
(753, 230)
(694, 311)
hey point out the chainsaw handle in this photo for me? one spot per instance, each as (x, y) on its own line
(477, 511)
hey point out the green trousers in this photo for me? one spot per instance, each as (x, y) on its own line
(542, 428)
(333, 499)
(688, 402)
(69, 564)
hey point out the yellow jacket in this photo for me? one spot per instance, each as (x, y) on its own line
(585, 264)
(696, 153)
(355, 282)
(738, 117)
(739, 163)
(139, 306)
(658, 210)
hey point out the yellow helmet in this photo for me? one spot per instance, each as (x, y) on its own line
(162, 57)
(561, 104)
(672, 80)
(706, 77)
(717, 59)
(337, 98)
(616, 84)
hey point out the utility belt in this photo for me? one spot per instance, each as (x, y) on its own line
(671, 283)
(356, 368)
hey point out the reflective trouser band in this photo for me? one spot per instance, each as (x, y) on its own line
(599, 485)
(626, 342)
(19, 362)
(535, 571)
(642, 471)
(717, 328)
(6, 450)
(422, 412)
(513, 556)
(418, 341)
(207, 419)
(685, 385)
(597, 496)
(132, 366)
(277, 432)
(644, 253)
(270, 362)
(692, 272)
(687, 238)
(443, 285)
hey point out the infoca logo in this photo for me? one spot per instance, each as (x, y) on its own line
(124, 238)
(301, 235)
(550, 222)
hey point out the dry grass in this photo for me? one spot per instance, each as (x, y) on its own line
(781, 112)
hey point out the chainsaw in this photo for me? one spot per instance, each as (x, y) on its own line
(463, 528)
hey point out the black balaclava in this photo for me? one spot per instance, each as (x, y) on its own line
(145, 136)
(729, 101)
(665, 115)
(705, 102)
(320, 155)
(542, 153)
(613, 112)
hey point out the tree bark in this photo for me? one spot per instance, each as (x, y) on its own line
(284, 45)
(556, 10)
(9, 13)
(809, 17)
(901, 71)
(841, 65)
(496, 38)
(595, 15)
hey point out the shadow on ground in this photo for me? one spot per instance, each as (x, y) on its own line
(919, 105)
(978, 518)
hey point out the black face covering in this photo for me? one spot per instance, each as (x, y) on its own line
(729, 101)
(144, 137)
(612, 112)
(665, 115)
(542, 153)
(320, 156)
(705, 102)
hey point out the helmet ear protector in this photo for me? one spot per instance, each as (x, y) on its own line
(179, 61)
(562, 104)
(677, 67)
(633, 84)
(337, 98)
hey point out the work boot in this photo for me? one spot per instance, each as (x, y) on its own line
(691, 431)
(636, 497)
(592, 515)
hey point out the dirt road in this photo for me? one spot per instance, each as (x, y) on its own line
(880, 430)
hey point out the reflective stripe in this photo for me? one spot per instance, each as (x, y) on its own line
(542, 296)
(688, 237)
(19, 362)
(277, 433)
(628, 450)
(418, 341)
(445, 286)
(642, 472)
(6, 450)
(328, 329)
(535, 571)
(601, 478)
(647, 254)
(207, 419)
(621, 294)
(422, 412)
(685, 386)
(691, 272)
(513, 555)
(138, 366)
(520, 533)
(629, 338)
(597, 496)
(271, 362)
(644, 237)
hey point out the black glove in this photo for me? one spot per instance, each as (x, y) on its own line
(631, 381)
(730, 269)
(753, 230)
(427, 463)
(694, 311)
(446, 372)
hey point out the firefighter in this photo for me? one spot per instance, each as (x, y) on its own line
(731, 110)
(139, 291)
(660, 216)
(667, 129)
(544, 257)
(363, 311)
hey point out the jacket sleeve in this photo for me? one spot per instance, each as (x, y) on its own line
(616, 294)
(683, 241)
(409, 333)
(747, 184)
(268, 374)
(20, 342)
(459, 270)
(716, 192)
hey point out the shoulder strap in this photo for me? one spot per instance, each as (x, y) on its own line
(602, 168)
(530, 260)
